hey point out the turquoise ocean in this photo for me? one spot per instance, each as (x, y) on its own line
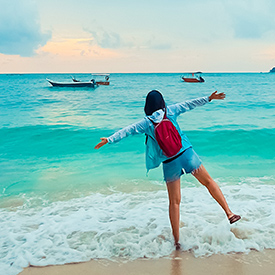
(62, 201)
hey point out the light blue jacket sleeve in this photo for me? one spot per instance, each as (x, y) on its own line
(180, 108)
(133, 129)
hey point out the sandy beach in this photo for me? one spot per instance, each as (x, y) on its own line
(177, 263)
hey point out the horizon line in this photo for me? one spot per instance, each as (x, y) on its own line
(1, 73)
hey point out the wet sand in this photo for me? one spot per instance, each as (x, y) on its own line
(178, 263)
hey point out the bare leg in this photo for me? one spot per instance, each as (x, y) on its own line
(174, 193)
(204, 178)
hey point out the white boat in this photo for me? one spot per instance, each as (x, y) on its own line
(74, 84)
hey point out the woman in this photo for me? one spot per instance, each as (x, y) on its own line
(185, 161)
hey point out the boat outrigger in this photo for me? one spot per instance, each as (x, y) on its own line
(74, 84)
(196, 78)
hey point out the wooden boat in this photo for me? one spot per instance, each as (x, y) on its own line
(104, 81)
(196, 78)
(74, 84)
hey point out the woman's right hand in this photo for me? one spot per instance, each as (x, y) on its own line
(101, 143)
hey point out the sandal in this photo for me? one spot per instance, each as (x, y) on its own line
(234, 218)
(178, 246)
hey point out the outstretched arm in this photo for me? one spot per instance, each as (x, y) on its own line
(136, 128)
(188, 105)
(180, 108)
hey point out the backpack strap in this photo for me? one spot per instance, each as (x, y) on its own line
(155, 124)
(165, 114)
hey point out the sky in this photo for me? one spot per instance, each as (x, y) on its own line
(143, 36)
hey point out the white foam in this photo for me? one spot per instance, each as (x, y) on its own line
(136, 225)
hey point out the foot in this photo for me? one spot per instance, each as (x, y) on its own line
(234, 218)
(177, 246)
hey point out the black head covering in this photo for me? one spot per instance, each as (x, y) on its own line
(154, 101)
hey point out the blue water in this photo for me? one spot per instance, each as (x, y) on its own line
(47, 161)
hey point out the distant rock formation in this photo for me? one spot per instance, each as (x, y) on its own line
(272, 70)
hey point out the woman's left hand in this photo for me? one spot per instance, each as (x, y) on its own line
(215, 95)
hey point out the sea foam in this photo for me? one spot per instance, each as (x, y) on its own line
(128, 226)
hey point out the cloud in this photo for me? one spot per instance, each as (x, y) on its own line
(112, 40)
(20, 32)
(76, 48)
(251, 19)
(107, 40)
(155, 44)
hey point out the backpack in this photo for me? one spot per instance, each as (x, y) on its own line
(167, 137)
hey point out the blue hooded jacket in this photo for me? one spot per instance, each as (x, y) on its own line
(154, 155)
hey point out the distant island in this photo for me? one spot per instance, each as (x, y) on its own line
(272, 70)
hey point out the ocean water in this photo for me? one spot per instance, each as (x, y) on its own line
(62, 201)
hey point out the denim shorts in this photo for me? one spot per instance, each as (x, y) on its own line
(187, 162)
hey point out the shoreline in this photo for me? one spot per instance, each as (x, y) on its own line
(179, 262)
